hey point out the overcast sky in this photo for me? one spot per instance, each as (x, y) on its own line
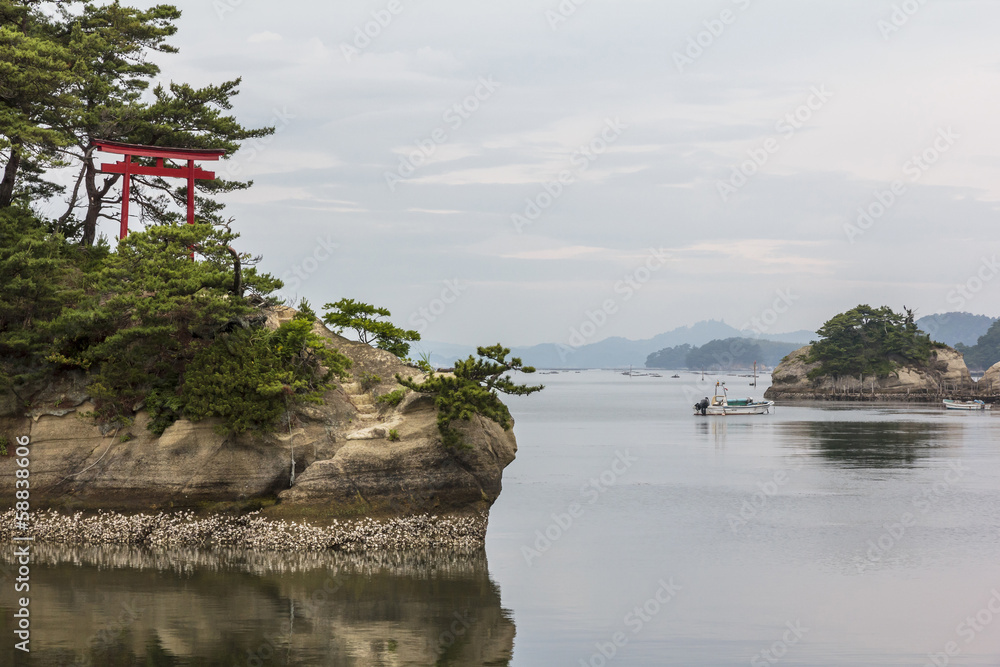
(650, 113)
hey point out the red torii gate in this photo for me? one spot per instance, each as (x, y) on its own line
(128, 168)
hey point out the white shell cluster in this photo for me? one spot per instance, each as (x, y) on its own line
(185, 529)
(453, 563)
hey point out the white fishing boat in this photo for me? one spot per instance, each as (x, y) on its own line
(966, 405)
(721, 404)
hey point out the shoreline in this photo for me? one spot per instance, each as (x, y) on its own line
(252, 531)
(877, 398)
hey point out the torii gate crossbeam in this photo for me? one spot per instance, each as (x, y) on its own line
(127, 168)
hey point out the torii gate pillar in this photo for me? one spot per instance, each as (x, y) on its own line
(127, 168)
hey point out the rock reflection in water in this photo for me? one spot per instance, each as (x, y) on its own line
(123, 606)
(875, 444)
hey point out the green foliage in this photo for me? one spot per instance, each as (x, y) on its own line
(424, 362)
(153, 328)
(393, 435)
(369, 381)
(164, 409)
(3, 445)
(37, 70)
(151, 311)
(364, 319)
(472, 389)
(868, 341)
(40, 275)
(393, 398)
(249, 377)
(985, 352)
(81, 65)
(135, 321)
(189, 117)
(75, 71)
(306, 312)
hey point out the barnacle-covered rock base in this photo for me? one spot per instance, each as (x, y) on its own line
(186, 530)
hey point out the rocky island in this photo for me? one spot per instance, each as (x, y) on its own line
(943, 375)
(351, 457)
(872, 354)
(340, 452)
(146, 398)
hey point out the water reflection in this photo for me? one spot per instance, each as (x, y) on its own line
(121, 606)
(874, 444)
(741, 427)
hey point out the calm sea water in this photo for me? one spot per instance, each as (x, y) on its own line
(629, 532)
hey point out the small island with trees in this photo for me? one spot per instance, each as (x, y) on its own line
(871, 353)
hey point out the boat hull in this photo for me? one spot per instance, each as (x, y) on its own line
(721, 405)
(727, 410)
(966, 405)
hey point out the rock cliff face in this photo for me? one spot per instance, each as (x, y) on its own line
(990, 382)
(336, 461)
(945, 372)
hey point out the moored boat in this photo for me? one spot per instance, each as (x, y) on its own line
(721, 404)
(966, 405)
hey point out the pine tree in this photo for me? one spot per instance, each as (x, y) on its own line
(250, 377)
(472, 390)
(81, 71)
(40, 275)
(364, 319)
(868, 341)
(36, 72)
(152, 310)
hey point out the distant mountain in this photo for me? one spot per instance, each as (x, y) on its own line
(614, 352)
(954, 328)
(802, 337)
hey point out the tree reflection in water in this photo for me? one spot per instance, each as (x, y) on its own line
(122, 606)
(874, 444)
